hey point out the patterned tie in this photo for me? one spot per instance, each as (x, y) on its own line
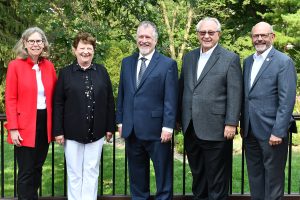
(142, 70)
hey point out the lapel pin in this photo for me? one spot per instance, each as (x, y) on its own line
(268, 59)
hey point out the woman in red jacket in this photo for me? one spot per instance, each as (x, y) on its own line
(30, 82)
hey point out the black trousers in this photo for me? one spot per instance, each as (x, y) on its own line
(210, 165)
(31, 160)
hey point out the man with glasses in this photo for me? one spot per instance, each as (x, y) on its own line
(210, 97)
(269, 98)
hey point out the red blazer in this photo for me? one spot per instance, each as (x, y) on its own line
(21, 98)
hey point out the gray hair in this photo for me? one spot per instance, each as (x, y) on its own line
(19, 48)
(206, 19)
(146, 24)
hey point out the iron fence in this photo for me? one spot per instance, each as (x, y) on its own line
(182, 195)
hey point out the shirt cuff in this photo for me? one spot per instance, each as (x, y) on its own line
(170, 130)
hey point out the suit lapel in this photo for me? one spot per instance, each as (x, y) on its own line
(151, 66)
(134, 68)
(194, 64)
(210, 63)
(248, 69)
(263, 67)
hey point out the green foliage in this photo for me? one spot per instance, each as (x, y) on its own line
(179, 139)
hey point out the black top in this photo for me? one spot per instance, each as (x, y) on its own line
(83, 107)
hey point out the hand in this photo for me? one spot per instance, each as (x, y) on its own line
(60, 139)
(274, 140)
(229, 132)
(165, 136)
(108, 136)
(16, 137)
(120, 131)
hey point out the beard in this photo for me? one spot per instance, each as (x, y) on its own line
(261, 47)
(145, 50)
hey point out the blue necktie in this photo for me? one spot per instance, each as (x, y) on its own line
(142, 70)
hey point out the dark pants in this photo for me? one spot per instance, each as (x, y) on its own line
(31, 160)
(210, 165)
(265, 166)
(139, 153)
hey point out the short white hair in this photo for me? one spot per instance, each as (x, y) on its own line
(206, 19)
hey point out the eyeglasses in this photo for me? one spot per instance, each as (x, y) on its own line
(263, 36)
(210, 33)
(38, 42)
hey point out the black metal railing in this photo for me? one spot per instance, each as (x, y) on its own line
(183, 194)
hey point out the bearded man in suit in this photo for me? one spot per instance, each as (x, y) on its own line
(210, 92)
(269, 97)
(146, 114)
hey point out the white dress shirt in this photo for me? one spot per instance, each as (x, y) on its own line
(148, 57)
(257, 63)
(203, 60)
(41, 98)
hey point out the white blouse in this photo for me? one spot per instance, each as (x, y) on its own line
(41, 98)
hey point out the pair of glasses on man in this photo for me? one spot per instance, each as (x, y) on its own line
(263, 36)
(210, 33)
(38, 42)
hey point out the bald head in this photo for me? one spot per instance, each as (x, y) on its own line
(263, 25)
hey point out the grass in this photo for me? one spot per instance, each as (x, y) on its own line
(120, 172)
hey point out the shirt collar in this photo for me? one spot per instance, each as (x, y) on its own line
(148, 57)
(209, 52)
(36, 67)
(264, 54)
(78, 68)
(29, 61)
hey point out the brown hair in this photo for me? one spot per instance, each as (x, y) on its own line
(86, 38)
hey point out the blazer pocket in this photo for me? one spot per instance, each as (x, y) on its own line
(156, 113)
(218, 109)
(22, 120)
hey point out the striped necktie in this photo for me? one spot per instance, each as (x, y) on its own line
(142, 70)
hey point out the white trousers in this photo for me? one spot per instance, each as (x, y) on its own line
(82, 162)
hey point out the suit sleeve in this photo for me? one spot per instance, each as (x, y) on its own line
(11, 97)
(180, 94)
(243, 98)
(287, 82)
(234, 92)
(58, 106)
(120, 98)
(171, 96)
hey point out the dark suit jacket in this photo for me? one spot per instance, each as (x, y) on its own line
(151, 106)
(269, 103)
(69, 109)
(214, 100)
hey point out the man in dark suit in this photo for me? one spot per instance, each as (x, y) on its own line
(210, 91)
(146, 114)
(269, 98)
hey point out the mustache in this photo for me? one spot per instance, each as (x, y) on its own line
(144, 43)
